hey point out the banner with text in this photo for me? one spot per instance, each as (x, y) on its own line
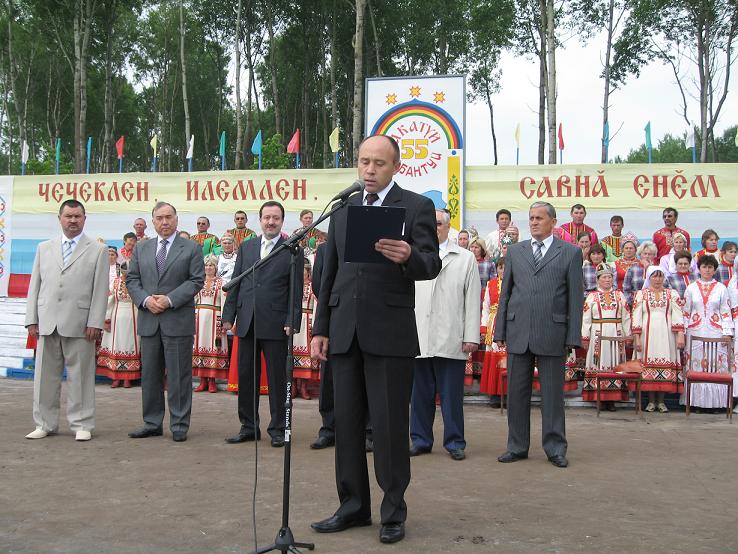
(6, 231)
(425, 115)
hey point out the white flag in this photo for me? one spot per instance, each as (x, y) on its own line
(689, 142)
(191, 147)
(24, 153)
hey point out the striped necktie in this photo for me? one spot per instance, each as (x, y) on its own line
(537, 252)
(161, 256)
(67, 251)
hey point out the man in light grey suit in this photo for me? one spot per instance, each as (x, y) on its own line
(164, 275)
(538, 319)
(67, 298)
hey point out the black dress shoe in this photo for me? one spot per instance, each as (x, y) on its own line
(145, 432)
(509, 457)
(322, 442)
(242, 436)
(558, 461)
(457, 454)
(418, 450)
(392, 532)
(369, 445)
(277, 442)
(334, 524)
(179, 436)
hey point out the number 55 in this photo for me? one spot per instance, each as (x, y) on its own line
(414, 148)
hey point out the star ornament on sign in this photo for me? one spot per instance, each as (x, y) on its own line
(415, 91)
(391, 98)
(439, 97)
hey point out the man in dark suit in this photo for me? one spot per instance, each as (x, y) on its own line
(538, 319)
(263, 325)
(164, 275)
(367, 312)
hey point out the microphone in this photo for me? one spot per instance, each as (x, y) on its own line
(358, 186)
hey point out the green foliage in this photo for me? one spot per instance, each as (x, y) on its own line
(673, 149)
(273, 154)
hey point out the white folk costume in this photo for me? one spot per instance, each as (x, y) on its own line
(210, 349)
(657, 317)
(733, 302)
(119, 356)
(304, 366)
(707, 314)
(605, 315)
(226, 264)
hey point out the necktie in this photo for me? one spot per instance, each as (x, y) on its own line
(371, 198)
(161, 256)
(67, 251)
(266, 247)
(538, 252)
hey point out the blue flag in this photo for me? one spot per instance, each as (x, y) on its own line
(649, 146)
(89, 153)
(256, 146)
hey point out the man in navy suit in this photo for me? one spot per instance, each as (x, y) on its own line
(258, 305)
(365, 321)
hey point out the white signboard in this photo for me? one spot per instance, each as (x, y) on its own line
(6, 202)
(425, 115)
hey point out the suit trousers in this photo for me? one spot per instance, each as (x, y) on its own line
(444, 376)
(53, 353)
(325, 402)
(175, 354)
(520, 387)
(381, 384)
(275, 354)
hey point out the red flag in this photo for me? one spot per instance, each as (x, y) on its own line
(119, 146)
(561, 137)
(294, 146)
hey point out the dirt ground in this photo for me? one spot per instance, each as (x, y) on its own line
(657, 483)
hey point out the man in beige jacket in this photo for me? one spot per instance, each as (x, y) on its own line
(67, 298)
(447, 312)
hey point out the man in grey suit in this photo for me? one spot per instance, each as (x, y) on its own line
(67, 298)
(164, 275)
(538, 319)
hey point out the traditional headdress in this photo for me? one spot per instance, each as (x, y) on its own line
(605, 269)
(650, 271)
(629, 237)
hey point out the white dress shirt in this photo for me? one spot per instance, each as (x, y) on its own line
(382, 194)
(547, 242)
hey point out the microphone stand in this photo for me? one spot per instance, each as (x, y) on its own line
(285, 540)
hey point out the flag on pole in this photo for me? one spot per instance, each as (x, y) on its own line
(649, 146)
(222, 150)
(256, 146)
(606, 139)
(561, 143)
(190, 152)
(294, 147)
(154, 145)
(119, 145)
(517, 144)
(334, 142)
(89, 153)
(24, 157)
(58, 154)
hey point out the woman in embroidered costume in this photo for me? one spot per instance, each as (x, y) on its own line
(629, 247)
(119, 356)
(709, 241)
(684, 275)
(605, 314)
(733, 302)
(635, 277)
(486, 267)
(210, 349)
(668, 262)
(227, 258)
(726, 266)
(658, 335)
(594, 259)
(305, 372)
(494, 358)
(707, 314)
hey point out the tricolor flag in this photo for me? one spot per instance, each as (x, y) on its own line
(334, 142)
(294, 148)
(119, 145)
(256, 146)
(190, 152)
(24, 157)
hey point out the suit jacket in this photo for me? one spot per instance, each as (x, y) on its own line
(541, 309)
(317, 275)
(272, 293)
(72, 298)
(182, 278)
(376, 301)
(447, 308)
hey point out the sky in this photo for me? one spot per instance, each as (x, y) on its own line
(653, 96)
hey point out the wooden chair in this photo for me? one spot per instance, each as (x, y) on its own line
(711, 374)
(616, 348)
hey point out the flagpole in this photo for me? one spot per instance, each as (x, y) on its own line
(58, 152)
(222, 163)
(694, 154)
(561, 156)
(120, 165)
(517, 155)
(89, 152)
(297, 160)
(650, 157)
(23, 168)
(153, 165)
(336, 159)
(259, 160)
(189, 165)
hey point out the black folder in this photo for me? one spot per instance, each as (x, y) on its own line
(366, 225)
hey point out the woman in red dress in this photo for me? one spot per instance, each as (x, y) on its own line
(495, 357)
(629, 246)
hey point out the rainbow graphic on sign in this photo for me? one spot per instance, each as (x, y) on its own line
(421, 109)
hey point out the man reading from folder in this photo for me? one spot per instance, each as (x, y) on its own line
(365, 322)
